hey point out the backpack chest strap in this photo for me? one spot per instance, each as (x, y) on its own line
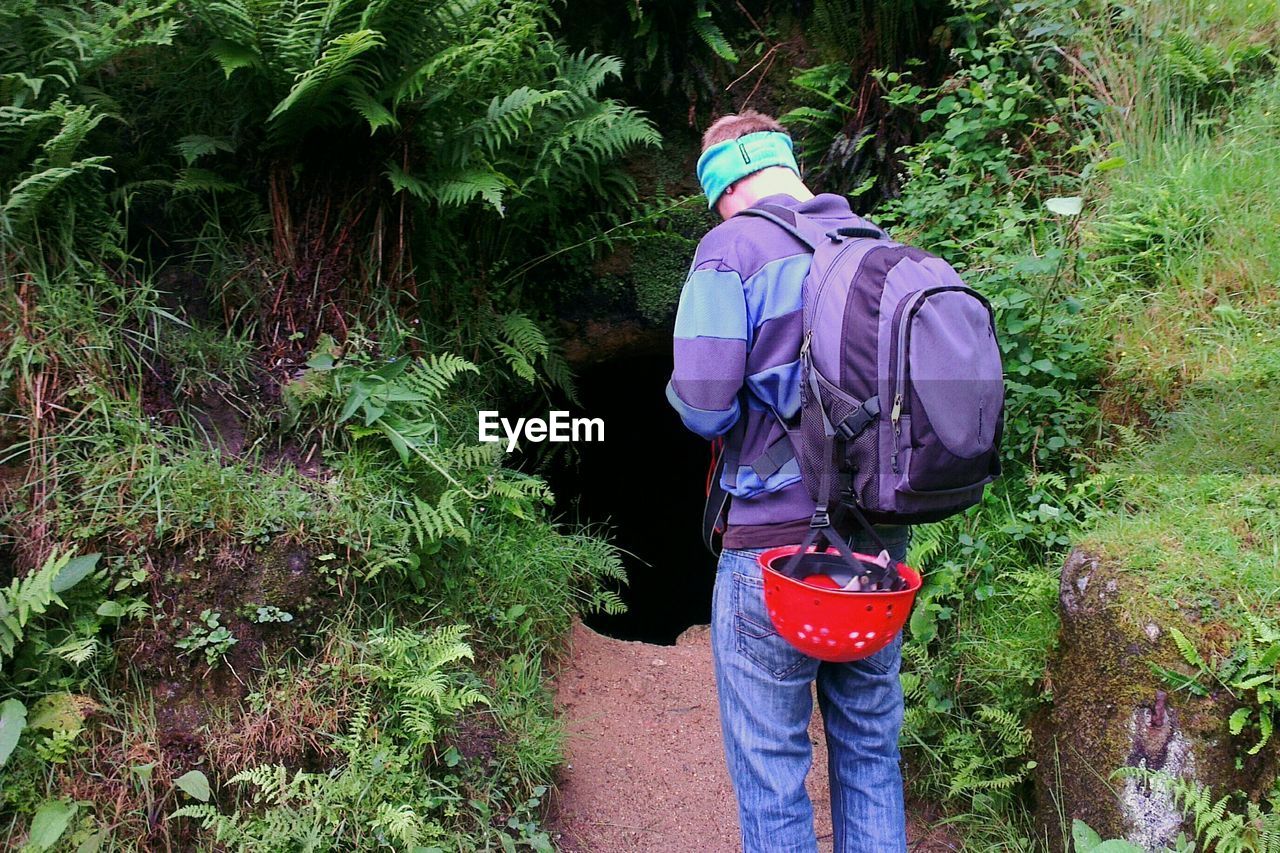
(783, 451)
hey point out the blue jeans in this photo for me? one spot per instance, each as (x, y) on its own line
(765, 707)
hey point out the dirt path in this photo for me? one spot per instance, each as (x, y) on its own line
(644, 769)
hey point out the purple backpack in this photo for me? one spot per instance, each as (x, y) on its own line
(901, 385)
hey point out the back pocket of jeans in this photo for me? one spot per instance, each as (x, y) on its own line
(884, 660)
(756, 639)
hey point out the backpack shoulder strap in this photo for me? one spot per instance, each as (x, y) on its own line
(797, 225)
(808, 231)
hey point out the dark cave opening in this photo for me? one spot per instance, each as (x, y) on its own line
(646, 482)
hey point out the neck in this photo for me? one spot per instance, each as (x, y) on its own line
(776, 180)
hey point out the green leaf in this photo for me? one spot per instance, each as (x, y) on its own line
(93, 843)
(111, 609)
(1110, 163)
(1068, 206)
(1238, 720)
(357, 398)
(713, 37)
(1084, 837)
(1255, 681)
(195, 784)
(76, 570)
(924, 626)
(397, 441)
(13, 719)
(49, 823)
(1264, 726)
(1188, 650)
(58, 712)
(233, 56)
(1115, 845)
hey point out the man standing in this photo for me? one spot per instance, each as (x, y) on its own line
(737, 370)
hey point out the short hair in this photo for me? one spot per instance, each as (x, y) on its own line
(739, 124)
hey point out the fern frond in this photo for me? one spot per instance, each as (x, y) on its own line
(712, 36)
(339, 66)
(28, 597)
(463, 187)
(28, 195)
(436, 372)
(1188, 650)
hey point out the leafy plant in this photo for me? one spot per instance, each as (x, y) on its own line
(1252, 828)
(1251, 673)
(210, 636)
(1085, 840)
(267, 613)
(410, 684)
(27, 598)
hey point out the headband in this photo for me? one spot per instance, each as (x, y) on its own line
(728, 162)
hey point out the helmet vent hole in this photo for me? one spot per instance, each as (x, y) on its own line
(869, 608)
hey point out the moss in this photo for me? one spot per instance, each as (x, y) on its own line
(1105, 697)
(661, 263)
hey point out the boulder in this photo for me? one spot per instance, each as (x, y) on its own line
(1111, 711)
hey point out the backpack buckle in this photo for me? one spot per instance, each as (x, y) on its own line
(859, 419)
(821, 518)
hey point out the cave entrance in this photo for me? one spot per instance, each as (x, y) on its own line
(645, 481)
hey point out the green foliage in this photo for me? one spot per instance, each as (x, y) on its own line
(1205, 72)
(672, 38)
(1229, 824)
(29, 597)
(210, 636)
(13, 720)
(1085, 840)
(430, 73)
(1251, 674)
(138, 135)
(410, 683)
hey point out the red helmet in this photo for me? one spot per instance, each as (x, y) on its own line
(816, 605)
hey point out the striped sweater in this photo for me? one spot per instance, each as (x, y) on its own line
(737, 361)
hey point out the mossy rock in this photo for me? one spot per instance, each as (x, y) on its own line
(1112, 711)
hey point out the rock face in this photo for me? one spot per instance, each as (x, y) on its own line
(1110, 711)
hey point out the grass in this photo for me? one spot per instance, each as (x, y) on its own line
(1186, 252)
(1196, 341)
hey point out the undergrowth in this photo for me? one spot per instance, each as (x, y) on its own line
(263, 261)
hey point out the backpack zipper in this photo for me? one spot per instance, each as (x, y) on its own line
(909, 307)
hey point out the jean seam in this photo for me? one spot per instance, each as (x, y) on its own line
(741, 581)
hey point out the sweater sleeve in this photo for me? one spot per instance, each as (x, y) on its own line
(711, 337)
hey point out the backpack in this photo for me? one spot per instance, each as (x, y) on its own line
(901, 383)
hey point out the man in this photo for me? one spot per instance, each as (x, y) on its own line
(737, 349)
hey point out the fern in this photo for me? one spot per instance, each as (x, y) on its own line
(29, 597)
(1251, 672)
(413, 666)
(409, 683)
(1188, 650)
(430, 524)
(1216, 825)
(339, 67)
(711, 35)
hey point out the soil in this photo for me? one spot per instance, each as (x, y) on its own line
(644, 769)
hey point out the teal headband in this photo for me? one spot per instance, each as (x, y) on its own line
(728, 162)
